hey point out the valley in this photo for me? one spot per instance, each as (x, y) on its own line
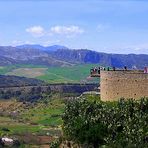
(36, 119)
(38, 86)
(68, 74)
(31, 109)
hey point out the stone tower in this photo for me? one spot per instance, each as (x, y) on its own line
(123, 83)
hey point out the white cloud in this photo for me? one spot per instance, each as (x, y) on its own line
(67, 30)
(36, 31)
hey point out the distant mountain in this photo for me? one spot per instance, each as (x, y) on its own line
(16, 53)
(44, 48)
(55, 48)
(29, 46)
(87, 56)
(23, 55)
(62, 56)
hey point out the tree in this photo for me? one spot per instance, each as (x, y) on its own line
(113, 124)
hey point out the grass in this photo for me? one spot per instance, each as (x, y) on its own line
(8, 126)
(46, 114)
(28, 72)
(51, 121)
(43, 118)
(71, 74)
(4, 70)
(16, 129)
(40, 119)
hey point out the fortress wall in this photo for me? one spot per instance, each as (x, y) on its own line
(127, 84)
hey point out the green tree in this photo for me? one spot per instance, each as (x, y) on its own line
(116, 124)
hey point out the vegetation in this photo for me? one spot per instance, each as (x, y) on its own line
(30, 94)
(46, 112)
(14, 81)
(73, 74)
(104, 124)
(87, 121)
(35, 123)
(68, 74)
(28, 72)
(37, 114)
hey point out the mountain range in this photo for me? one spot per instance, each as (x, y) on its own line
(58, 55)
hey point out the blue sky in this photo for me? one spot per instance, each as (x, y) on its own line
(114, 26)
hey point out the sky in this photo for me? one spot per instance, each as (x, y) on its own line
(112, 26)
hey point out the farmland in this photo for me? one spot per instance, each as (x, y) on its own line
(39, 121)
(28, 72)
(70, 74)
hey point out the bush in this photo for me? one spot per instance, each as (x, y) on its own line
(97, 123)
(56, 143)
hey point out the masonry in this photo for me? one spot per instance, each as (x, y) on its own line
(121, 83)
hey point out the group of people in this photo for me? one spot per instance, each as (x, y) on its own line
(96, 70)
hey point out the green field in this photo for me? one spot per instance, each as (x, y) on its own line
(46, 114)
(9, 126)
(72, 74)
(41, 120)
(28, 72)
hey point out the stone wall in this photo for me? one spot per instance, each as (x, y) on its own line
(127, 84)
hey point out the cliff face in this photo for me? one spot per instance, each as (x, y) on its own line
(88, 56)
(28, 89)
(73, 88)
(66, 57)
(33, 93)
(60, 88)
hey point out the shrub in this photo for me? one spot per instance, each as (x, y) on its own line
(112, 124)
(56, 143)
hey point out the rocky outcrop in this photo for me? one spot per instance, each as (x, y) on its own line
(32, 93)
(73, 88)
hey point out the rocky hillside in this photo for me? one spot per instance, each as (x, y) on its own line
(27, 55)
(15, 81)
(88, 56)
(62, 56)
